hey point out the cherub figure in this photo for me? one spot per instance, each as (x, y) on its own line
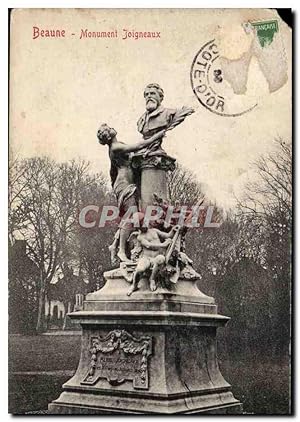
(152, 257)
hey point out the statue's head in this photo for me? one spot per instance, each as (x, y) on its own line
(106, 134)
(153, 95)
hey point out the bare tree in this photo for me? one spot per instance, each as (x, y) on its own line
(17, 185)
(267, 205)
(44, 203)
(92, 244)
(184, 187)
(269, 198)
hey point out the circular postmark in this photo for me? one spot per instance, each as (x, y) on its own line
(207, 80)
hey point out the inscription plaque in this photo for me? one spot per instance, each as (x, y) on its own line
(118, 357)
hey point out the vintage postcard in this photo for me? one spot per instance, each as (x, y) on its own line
(150, 211)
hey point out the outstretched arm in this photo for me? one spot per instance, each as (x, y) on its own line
(119, 147)
(179, 116)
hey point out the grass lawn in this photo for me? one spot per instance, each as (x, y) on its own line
(262, 387)
(39, 365)
(43, 353)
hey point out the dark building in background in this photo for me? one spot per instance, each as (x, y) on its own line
(23, 289)
(65, 296)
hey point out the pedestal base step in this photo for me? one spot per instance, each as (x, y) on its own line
(88, 404)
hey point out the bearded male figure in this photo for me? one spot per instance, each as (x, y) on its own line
(157, 118)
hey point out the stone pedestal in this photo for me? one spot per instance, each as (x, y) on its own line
(153, 180)
(153, 175)
(148, 354)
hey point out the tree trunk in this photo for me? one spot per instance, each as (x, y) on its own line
(66, 305)
(40, 325)
(65, 322)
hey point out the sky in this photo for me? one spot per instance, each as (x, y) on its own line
(62, 89)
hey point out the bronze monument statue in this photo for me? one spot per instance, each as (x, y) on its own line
(130, 165)
(149, 334)
(128, 162)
